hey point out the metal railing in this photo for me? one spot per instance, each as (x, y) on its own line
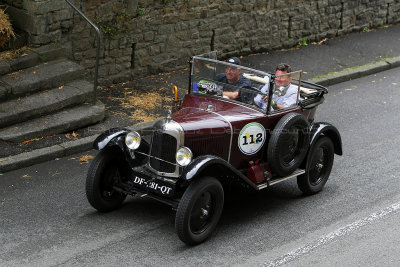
(98, 38)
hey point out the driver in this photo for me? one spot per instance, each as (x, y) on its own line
(233, 76)
(288, 92)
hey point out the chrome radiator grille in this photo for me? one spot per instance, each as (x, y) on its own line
(163, 147)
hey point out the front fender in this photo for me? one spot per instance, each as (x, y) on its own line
(327, 129)
(115, 138)
(109, 137)
(207, 162)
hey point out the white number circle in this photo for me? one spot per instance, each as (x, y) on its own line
(251, 138)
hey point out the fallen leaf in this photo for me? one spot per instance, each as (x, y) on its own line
(61, 87)
(323, 41)
(348, 89)
(394, 83)
(34, 72)
(72, 135)
(26, 176)
(56, 173)
(29, 141)
(86, 158)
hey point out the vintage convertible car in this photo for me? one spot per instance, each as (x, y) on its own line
(190, 158)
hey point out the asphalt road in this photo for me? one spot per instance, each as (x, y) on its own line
(46, 220)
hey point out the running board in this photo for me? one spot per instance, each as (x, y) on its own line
(281, 179)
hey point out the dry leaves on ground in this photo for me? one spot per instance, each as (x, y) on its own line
(323, 41)
(147, 101)
(14, 75)
(85, 159)
(10, 54)
(144, 105)
(31, 140)
(72, 135)
(143, 116)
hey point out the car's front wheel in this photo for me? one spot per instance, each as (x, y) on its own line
(318, 168)
(104, 172)
(199, 210)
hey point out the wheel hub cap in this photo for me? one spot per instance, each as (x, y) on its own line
(204, 212)
(319, 167)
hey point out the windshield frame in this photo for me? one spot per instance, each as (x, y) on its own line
(260, 77)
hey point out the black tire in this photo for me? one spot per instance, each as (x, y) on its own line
(104, 172)
(199, 210)
(318, 167)
(288, 144)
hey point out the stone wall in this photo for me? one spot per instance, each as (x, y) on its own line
(46, 21)
(148, 36)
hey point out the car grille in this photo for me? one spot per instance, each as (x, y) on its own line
(163, 147)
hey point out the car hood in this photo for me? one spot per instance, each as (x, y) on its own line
(199, 112)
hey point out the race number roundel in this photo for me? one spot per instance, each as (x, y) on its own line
(251, 138)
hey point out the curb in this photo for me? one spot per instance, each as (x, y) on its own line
(57, 151)
(357, 72)
(85, 144)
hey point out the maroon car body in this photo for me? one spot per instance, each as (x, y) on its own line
(206, 131)
(189, 159)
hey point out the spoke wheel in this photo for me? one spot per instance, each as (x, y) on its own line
(199, 210)
(319, 166)
(104, 172)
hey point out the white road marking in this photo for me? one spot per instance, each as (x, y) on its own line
(346, 230)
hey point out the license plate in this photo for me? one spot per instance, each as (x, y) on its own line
(153, 185)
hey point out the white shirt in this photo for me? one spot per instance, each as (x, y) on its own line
(287, 100)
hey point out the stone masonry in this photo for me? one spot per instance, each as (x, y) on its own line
(148, 36)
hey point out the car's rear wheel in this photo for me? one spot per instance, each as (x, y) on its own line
(318, 167)
(104, 172)
(199, 210)
(288, 144)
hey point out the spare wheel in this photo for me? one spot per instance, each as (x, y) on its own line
(288, 144)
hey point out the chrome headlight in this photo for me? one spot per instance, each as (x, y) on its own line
(183, 156)
(132, 140)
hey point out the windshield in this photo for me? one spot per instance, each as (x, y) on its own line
(245, 85)
(226, 80)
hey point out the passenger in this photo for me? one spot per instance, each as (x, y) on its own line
(288, 92)
(233, 77)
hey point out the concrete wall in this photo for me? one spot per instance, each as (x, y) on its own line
(147, 36)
